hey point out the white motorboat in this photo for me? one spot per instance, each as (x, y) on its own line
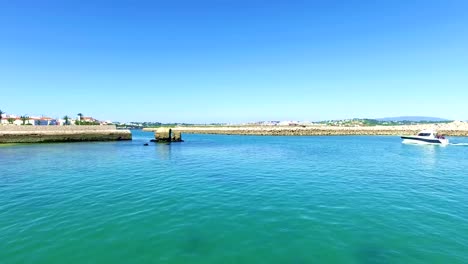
(426, 137)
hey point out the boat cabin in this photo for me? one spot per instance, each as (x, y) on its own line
(430, 134)
(426, 134)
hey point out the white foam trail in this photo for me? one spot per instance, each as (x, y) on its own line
(458, 144)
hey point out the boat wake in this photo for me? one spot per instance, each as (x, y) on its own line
(459, 144)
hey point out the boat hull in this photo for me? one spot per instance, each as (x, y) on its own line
(424, 141)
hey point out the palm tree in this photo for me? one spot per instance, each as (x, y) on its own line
(80, 115)
(1, 113)
(24, 118)
(66, 119)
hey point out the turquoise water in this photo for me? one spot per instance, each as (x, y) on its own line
(235, 199)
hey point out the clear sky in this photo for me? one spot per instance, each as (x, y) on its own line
(234, 60)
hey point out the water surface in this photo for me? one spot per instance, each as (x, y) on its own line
(235, 199)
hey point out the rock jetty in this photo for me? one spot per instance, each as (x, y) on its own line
(46, 134)
(456, 128)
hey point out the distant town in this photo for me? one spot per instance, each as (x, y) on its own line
(355, 122)
(26, 120)
(80, 119)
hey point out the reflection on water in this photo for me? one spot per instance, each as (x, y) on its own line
(163, 150)
(425, 154)
(459, 144)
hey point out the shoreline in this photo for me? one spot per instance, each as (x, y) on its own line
(448, 129)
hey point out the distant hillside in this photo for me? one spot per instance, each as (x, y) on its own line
(413, 119)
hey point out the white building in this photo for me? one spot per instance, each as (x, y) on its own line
(33, 121)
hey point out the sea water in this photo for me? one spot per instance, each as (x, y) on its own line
(235, 199)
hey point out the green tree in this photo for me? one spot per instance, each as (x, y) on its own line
(24, 118)
(1, 113)
(67, 120)
(80, 117)
(11, 120)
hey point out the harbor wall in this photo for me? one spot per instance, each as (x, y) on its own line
(44, 134)
(318, 132)
(56, 128)
(449, 129)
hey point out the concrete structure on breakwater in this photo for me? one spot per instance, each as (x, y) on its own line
(449, 129)
(45, 134)
(167, 135)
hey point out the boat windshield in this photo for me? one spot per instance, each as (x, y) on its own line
(424, 134)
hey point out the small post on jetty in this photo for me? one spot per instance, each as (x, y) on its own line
(167, 135)
(176, 136)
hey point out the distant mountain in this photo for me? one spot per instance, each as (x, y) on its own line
(413, 119)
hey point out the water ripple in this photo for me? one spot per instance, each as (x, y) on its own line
(234, 199)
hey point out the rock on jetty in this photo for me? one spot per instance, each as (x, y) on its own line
(457, 128)
(166, 135)
(43, 134)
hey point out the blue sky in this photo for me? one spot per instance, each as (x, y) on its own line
(234, 61)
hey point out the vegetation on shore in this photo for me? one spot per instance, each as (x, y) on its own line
(24, 118)
(67, 120)
(86, 123)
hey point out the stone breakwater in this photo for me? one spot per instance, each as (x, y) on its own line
(45, 134)
(449, 129)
